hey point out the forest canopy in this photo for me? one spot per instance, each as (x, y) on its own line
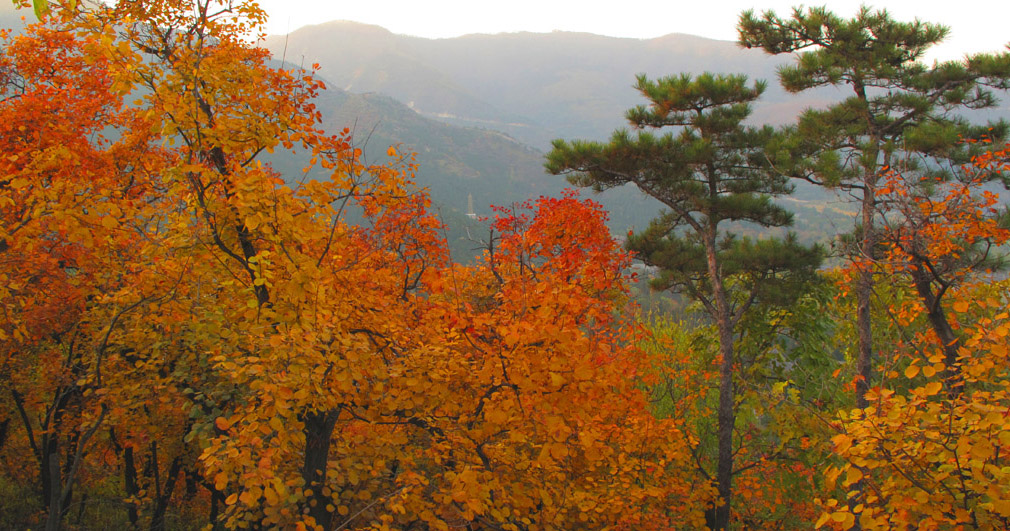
(192, 339)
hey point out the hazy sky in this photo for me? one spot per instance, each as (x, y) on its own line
(975, 25)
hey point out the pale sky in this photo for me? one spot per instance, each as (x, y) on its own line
(976, 25)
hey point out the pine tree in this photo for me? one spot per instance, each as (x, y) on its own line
(711, 171)
(899, 111)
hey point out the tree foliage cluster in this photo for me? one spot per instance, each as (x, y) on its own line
(188, 335)
(189, 338)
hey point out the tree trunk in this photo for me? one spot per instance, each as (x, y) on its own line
(4, 427)
(55, 506)
(727, 420)
(164, 495)
(949, 341)
(49, 475)
(864, 292)
(318, 430)
(864, 288)
(217, 499)
(718, 517)
(130, 484)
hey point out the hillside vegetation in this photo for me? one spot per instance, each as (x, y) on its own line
(236, 292)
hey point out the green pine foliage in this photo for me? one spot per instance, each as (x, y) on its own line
(693, 153)
(899, 110)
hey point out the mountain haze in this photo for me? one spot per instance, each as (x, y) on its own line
(533, 86)
(454, 163)
(480, 110)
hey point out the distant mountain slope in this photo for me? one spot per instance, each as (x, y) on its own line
(455, 162)
(363, 58)
(534, 86)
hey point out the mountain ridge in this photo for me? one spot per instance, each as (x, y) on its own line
(553, 85)
(533, 88)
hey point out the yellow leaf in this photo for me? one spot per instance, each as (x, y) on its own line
(496, 416)
(271, 496)
(276, 424)
(1004, 438)
(932, 388)
(853, 475)
(911, 371)
(961, 306)
(248, 498)
(221, 481)
(842, 442)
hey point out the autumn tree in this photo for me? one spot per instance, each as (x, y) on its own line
(941, 234)
(713, 171)
(784, 384)
(311, 318)
(67, 185)
(898, 109)
(182, 260)
(929, 448)
(546, 425)
(227, 328)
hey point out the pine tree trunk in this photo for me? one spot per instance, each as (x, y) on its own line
(718, 518)
(864, 288)
(864, 363)
(727, 420)
(864, 294)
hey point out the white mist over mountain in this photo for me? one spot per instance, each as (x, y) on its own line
(976, 25)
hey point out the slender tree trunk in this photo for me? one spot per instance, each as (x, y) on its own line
(864, 287)
(164, 494)
(50, 480)
(727, 420)
(318, 430)
(81, 506)
(949, 341)
(55, 506)
(718, 518)
(130, 484)
(864, 293)
(217, 499)
(4, 427)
